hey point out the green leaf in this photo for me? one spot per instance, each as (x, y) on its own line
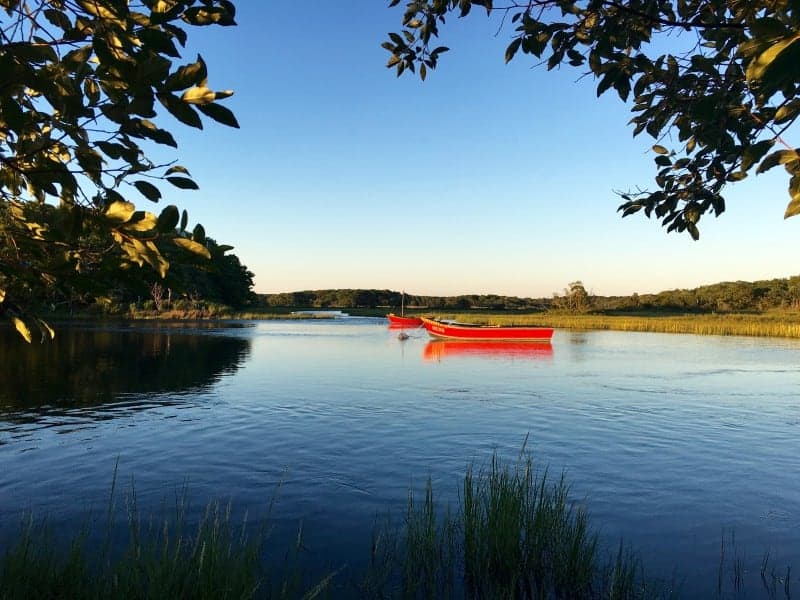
(187, 76)
(2, 295)
(180, 110)
(183, 183)
(168, 219)
(111, 150)
(177, 169)
(759, 67)
(780, 157)
(148, 190)
(660, 149)
(192, 246)
(184, 220)
(512, 49)
(793, 208)
(199, 234)
(220, 114)
(755, 152)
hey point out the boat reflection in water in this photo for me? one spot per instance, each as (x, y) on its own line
(440, 349)
(405, 325)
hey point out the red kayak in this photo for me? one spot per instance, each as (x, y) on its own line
(400, 321)
(461, 331)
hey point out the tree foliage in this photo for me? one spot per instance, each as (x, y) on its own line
(728, 91)
(781, 294)
(82, 84)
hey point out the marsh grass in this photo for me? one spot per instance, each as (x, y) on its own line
(514, 534)
(762, 325)
(166, 557)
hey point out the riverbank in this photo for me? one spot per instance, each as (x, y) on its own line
(785, 325)
(771, 324)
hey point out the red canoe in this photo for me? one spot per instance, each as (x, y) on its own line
(398, 321)
(460, 331)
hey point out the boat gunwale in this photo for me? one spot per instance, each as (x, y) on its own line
(462, 331)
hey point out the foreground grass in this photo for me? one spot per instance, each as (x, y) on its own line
(514, 534)
(786, 325)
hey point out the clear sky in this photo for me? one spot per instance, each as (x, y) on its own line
(486, 178)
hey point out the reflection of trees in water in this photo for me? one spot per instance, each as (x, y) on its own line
(85, 367)
(577, 336)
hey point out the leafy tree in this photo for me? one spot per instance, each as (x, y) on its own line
(729, 90)
(82, 82)
(575, 298)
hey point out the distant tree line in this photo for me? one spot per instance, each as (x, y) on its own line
(389, 299)
(729, 296)
(736, 296)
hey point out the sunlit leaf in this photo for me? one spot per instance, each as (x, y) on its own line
(22, 328)
(758, 68)
(198, 95)
(141, 221)
(45, 328)
(119, 211)
(192, 246)
(177, 169)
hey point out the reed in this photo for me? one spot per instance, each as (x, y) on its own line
(515, 534)
(761, 325)
(158, 558)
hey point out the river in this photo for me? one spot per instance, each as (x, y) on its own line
(674, 443)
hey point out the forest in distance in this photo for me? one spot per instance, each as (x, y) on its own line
(780, 294)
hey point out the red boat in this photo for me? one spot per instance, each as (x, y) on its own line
(461, 331)
(402, 321)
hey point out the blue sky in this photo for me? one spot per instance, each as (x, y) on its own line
(486, 178)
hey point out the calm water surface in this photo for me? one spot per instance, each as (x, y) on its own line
(672, 441)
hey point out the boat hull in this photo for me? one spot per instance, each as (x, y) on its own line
(452, 331)
(398, 321)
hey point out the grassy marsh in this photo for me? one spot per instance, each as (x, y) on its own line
(786, 325)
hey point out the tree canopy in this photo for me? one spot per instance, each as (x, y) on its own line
(82, 84)
(728, 90)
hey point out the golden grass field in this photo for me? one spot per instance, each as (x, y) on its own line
(786, 325)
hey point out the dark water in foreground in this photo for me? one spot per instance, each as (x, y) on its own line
(674, 441)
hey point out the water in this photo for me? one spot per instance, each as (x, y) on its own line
(673, 442)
